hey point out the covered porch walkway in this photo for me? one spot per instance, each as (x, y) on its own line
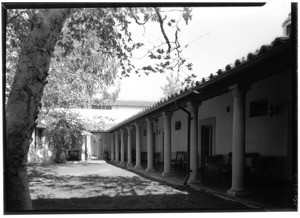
(268, 195)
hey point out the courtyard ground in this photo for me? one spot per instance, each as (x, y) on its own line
(99, 186)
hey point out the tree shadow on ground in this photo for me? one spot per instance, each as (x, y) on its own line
(52, 192)
(175, 203)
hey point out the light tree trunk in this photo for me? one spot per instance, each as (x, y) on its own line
(24, 102)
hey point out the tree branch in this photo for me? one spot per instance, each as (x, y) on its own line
(161, 22)
(136, 20)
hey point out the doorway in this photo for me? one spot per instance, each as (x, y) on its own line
(206, 140)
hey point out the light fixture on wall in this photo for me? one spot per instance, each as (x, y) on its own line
(157, 132)
(272, 111)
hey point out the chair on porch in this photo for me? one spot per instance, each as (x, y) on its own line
(184, 159)
(212, 164)
(179, 158)
(251, 166)
(156, 158)
(226, 169)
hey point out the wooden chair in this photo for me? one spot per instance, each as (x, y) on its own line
(212, 164)
(179, 158)
(156, 158)
(184, 159)
(227, 168)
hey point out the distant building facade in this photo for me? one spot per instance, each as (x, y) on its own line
(112, 113)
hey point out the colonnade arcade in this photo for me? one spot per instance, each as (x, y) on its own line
(238, 145)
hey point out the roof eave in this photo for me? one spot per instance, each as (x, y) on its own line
(204, 85)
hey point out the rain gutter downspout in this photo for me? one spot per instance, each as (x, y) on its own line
(188, 142)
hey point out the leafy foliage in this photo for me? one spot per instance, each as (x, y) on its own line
(172, 86)
(18, 26)
(94, 44)
(63, 134)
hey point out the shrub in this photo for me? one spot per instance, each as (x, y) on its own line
(63, 135)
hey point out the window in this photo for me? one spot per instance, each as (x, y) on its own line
(177, 125)
(259, 108)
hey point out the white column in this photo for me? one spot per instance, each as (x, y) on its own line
(193, 108)
(112, 145)
(149, 146)
(167, 144)
(122, 148)
(117, 147)
(129, 146)
(238, 141)
(138, 164)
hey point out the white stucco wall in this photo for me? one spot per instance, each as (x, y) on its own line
(266, 135)
(217, 108)
(179, 137)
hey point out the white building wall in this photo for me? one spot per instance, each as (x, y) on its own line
(179, 137)
(270, 135)
(217, 108)
(264, 134)
(159, 139)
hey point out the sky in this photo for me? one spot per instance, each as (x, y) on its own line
(219, 36)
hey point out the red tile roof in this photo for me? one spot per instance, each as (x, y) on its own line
(199, 84)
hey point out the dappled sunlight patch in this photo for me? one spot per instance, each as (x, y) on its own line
(67, 182)
(110, 188)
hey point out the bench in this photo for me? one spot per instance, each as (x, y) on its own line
(180, 158)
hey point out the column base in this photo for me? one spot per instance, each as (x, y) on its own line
(150, 170)
(129, 165)
(138, 167)
(122, 164)
(167, 174)
(194, 181)
(236, 193)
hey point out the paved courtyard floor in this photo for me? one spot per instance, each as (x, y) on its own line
(99, 186)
